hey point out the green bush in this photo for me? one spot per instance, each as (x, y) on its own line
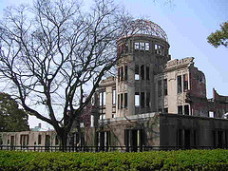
(144, 161)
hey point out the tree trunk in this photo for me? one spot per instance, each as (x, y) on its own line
(63, 137)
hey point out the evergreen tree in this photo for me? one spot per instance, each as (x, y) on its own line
(11, 117)
(220, 37)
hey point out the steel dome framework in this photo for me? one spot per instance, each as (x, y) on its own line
(146, 27)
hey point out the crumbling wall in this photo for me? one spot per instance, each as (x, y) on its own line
(197, 93)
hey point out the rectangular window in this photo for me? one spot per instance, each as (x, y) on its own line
(137, 99)
(136, 45)
(179, 84)
(211, 114)
(159, 88)
(147, 73)
(166, 110)
(118, 74)
(156, 46)
(101, 99)
(148, 100)
(91, 120)
(56, 140)
(165, 87)
(121, 101)
(118, 101)
(185, 78)
(186, 110)
(142, 46)
(114, 97)
(142, 101)
(161, 50)
(147, 46)
(126, 69)
(24, 140)
(142, 72)
(125, 100)
(121, 74)
(136, 72)
(180, 110)
(39, 139)
(104, 98)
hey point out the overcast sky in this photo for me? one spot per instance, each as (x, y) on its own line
(187, 24)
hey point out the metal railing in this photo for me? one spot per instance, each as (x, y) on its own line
(101, 148)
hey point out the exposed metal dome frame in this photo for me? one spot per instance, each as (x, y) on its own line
(146, 27)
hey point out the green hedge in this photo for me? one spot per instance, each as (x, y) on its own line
(155, 160)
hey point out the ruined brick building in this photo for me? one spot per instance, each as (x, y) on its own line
(156, 101)
(153, 101)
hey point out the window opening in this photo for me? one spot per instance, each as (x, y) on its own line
(147, 73)
(165, 87)
(39, 139)
(211, 114)
(156, 46)
(126, 69)
(142, 46)
(113, 97)
(136, 45)
(24, 140)
(125, 100)
(121, 99)
(142, 99)
(142, 72)
(159, 88)
(159, 49)
(136, 72)
(147, 47)
(185, 78)
(180, 110)
(186, 110)
(137, 99)
(118, 101)
(121, 74)
(148, 100)
(56, 140)
(113, 115)
(179, 84)
(102, 99)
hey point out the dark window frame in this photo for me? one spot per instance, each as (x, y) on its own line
(179, 84)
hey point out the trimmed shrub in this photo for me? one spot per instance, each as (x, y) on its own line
(109, 161)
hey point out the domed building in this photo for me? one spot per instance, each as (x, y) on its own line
(155, 101)
(148, 80)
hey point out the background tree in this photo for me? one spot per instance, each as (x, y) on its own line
(220, 37)
(11, 117)
(55, 52)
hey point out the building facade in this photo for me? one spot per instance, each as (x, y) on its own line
(156, 101)
(149, 81)
(152, 102)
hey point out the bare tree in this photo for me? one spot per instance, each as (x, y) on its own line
(56, 51)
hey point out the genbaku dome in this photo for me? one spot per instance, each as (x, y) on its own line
(153, 101)
(156, 101)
